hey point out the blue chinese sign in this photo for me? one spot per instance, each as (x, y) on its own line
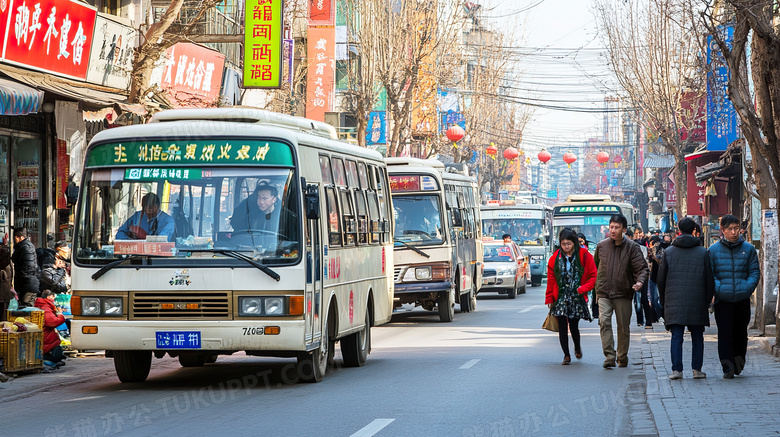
(451, 118)
(722, 128)
(377, 128)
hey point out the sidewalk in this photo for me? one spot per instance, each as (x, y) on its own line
(743, 406)
(74, 371)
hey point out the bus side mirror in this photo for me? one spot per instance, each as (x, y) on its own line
(312, 198)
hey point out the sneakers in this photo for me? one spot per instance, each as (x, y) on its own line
(609, 363)
(3, 377)
(676, 375)
(728, 375)
(698, 374)
(622, 363)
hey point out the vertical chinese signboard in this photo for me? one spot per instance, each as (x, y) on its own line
(263, 44)
(722, 128)
(48, 35)
(63, 164)
(320, 78)
(322, 12)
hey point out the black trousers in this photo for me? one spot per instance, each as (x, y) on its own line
(732, 319)
(564, 325)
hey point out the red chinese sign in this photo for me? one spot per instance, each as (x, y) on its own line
(192, 75)
(322, 58)
(49, 35)
(63, 164)
(322, 12)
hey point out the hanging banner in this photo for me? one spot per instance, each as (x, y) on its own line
(111, 58)
(376, 131)
(322, 12)
(722, 127)
(54, 36)
(63, 164)
(320, 77)
(263, 30)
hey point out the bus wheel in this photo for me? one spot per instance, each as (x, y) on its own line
(312, 366)
(132, 366)
(355, 347)
(194, 360)
(447, 305)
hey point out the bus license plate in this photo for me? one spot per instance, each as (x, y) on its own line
(178, 339)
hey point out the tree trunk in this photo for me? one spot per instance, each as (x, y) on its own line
(680, 185)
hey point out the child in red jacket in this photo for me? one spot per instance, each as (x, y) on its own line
(52, 352)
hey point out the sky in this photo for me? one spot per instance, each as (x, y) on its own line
(563, 65)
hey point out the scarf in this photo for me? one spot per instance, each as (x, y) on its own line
(568, 277)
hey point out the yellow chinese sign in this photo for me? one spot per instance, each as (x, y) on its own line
(263, 27)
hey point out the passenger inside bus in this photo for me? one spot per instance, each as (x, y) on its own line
(261, 217)
(149, 221)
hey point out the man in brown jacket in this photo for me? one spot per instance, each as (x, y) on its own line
(621, 271)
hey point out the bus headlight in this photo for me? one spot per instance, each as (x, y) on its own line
(90, 306)
(101, 306)
(422, 273)
(250, 306)
(274, 306)
(112, 306)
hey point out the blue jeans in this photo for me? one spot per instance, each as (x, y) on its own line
(652, 291)
(697, 342)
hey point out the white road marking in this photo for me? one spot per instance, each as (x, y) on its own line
(532, 307)
(372, 428)
(83, 399)
(470, 364)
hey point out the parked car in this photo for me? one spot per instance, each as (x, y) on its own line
(506, 269)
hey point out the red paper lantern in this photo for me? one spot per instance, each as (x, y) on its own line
(491, 150)
(569, 158)
(511, 153)
(602, 157)
(544, 156)
(455, 133)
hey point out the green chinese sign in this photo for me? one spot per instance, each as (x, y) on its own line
(200, 153)
(263, 26)
(586, 209)
(153, 174)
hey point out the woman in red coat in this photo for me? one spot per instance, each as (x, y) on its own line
(571, 274)
(52, 351)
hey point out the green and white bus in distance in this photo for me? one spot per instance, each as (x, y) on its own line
(589, 214)
(287, 281)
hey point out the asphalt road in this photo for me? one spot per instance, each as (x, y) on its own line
(493, 372)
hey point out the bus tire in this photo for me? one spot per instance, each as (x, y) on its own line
(313, 366)
(194, 360)
(465, 302)
(447, 305)
(355, 347)
(132, 366)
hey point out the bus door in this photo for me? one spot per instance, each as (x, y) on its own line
(314, 280)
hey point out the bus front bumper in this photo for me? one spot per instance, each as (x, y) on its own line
(425, 287)
(228, 335)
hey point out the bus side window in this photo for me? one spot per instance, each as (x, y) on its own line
(373, 213)
(348, 216)
(384, 206)
(362, 216)
(327, 177)
(334, 228)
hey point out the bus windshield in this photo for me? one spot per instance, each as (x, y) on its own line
(525, 232)
(418, 219)
(167, 211)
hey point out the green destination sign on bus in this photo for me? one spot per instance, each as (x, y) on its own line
(575, 209)
(153, 174)
(199, 153)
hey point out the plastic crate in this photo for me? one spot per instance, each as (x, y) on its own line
(21, 351)
(33, 316)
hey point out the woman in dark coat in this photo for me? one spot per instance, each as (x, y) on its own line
(26, 270)
(571, 274)
(6, 277)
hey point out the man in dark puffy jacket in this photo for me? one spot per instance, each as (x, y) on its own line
(685, 286)
(734, 263)
(26, 271)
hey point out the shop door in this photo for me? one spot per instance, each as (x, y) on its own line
(26, 186)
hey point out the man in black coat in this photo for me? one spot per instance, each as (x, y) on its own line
(686, 286)
(26, 270)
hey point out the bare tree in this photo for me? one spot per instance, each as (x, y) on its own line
(654, 50)
(161, 35)
(756, 29)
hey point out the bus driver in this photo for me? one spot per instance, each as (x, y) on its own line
(258, 211)
(149, 221)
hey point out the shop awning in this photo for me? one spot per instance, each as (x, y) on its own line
(19, 99)
(653, 160)
(95, 95)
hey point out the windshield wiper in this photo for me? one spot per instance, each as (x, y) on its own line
(240, 256)
(103, 270)
(412, 247)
